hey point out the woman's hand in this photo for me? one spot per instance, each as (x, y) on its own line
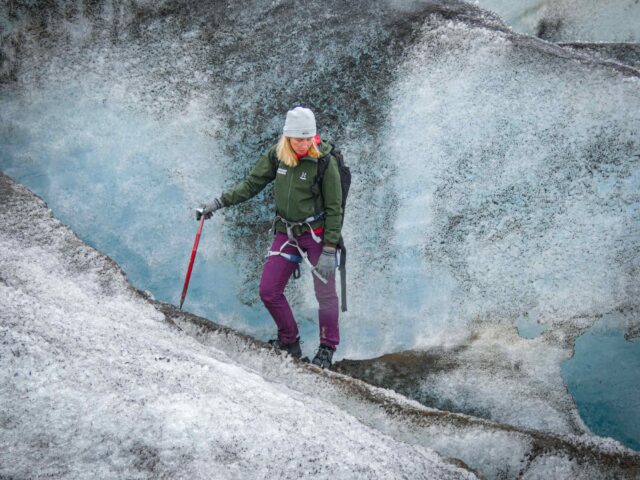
(327, 263)
(207, 209)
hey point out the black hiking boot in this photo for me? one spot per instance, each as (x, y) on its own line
(292, 349)
(324, 356)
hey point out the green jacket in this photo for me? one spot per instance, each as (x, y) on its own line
(294, 198)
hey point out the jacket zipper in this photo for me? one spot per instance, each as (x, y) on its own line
(290, 172)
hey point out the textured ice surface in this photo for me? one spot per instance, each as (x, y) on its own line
(531, 207)
(495, 176)
(98, 382)
(529, 327)
(519, 197)
(571, 20)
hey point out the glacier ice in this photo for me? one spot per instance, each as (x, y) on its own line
(514, 221)
(517, 197)
(624, 53)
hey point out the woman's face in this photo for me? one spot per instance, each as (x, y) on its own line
(301, 145)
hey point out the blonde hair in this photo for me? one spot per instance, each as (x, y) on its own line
(286, 154)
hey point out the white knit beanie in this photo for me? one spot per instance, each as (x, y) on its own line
(300, 123)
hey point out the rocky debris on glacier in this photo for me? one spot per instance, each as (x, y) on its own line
(624, 53)
(603, 30)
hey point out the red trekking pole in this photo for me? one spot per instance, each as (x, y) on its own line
(193, 257)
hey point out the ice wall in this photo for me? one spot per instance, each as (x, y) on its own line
(125, 119)
(571, 20)
(530, 207)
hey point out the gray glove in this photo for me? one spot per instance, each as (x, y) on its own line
(207, 209)
(327, 263)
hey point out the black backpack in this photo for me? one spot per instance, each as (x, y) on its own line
(345, 183)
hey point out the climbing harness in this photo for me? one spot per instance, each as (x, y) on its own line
(291, 240)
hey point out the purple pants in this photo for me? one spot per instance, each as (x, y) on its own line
(275, 276)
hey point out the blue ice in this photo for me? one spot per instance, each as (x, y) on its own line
(603, 377)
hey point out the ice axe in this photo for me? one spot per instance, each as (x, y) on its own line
(193, 257)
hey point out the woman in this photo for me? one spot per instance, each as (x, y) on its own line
(307, 228)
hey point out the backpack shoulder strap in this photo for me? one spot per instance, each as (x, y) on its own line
(323, 163)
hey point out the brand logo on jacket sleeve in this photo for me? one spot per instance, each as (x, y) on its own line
(303, 176)
(282, 171)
